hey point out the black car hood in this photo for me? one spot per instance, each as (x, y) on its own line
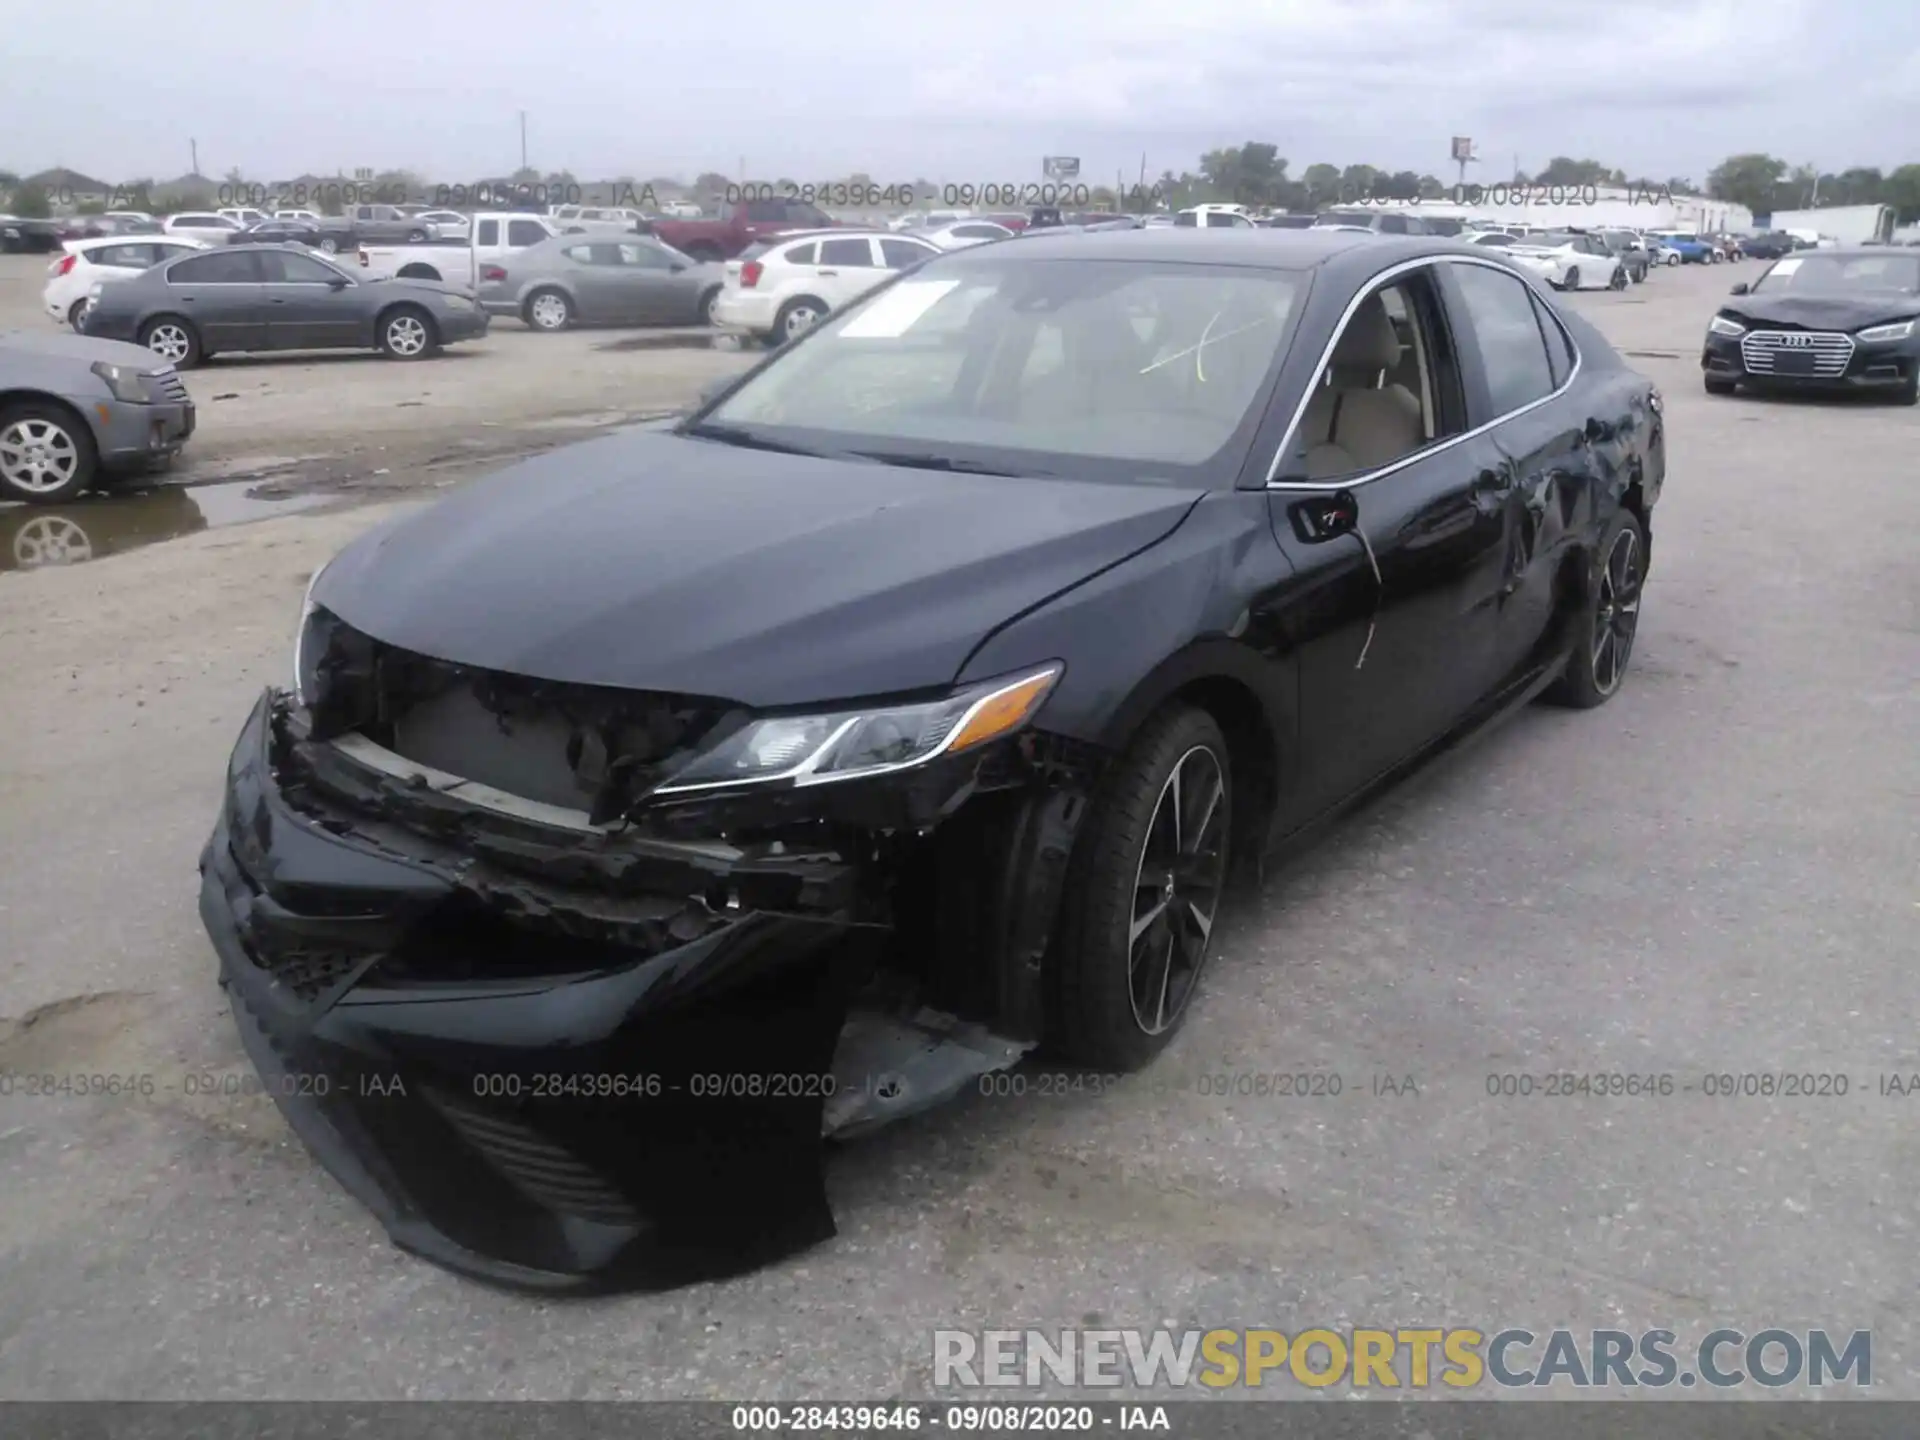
(1826, 312)
(653, 561)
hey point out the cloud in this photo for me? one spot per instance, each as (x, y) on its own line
(966, 92)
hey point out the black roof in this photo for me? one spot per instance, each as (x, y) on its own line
(1276, 249)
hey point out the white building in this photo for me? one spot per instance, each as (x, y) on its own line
(1849, 224)
(1612, 208)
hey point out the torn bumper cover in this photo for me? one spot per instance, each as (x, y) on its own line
(540, 1078)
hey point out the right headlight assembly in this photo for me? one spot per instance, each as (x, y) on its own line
(1721, 325)
(800, 750)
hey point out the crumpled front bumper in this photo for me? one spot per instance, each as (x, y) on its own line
(638, 1123)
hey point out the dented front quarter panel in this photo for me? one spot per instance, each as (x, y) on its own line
(654, 1113)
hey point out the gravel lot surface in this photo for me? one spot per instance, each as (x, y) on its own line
(1716, 873)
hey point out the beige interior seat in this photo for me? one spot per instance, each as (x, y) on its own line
(1355, 421)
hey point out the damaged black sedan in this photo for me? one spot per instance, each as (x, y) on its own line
(647, 814)
(1823, 321)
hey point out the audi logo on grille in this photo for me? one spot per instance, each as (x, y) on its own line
(1793, 342)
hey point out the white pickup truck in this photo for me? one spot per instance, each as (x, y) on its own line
(494, 234)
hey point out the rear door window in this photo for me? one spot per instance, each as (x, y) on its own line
(522, 233)
(220, 267)
(855, 252)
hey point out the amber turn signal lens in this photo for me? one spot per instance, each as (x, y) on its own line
(1004, 710)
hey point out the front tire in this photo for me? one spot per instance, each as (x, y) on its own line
(46, 454)
(1619, 280)
(1720, 387)
(1609, 619)
(173, 340)
(407, 333)
(1142, 894)
(707, 302)
(329, 245)
(1673, 257)
(1572, 282)
(549, 310)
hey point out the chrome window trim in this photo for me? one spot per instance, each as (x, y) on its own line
(1386, 277)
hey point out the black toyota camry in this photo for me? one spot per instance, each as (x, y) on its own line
(644, 815)
(1822, 320)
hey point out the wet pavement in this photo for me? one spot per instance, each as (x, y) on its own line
(98, 525)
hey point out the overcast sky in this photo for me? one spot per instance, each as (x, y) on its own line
(974, 91)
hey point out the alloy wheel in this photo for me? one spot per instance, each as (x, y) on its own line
(170, 342)
(801, 319)
(406, 335)
(37, 456)
(1618, 613)
(1176, 891)
(50, 540)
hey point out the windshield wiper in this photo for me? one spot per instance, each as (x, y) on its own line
(737, 435)
(915, 460)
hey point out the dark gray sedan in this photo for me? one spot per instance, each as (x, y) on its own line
(604, 280)
(279, 297)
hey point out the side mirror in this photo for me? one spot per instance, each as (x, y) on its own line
(676, 267)
(1742, 288)
(338, 282)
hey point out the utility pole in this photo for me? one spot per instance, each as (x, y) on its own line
(523, 139)
(194, 146)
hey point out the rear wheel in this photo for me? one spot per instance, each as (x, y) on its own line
(46, 453)
(1673, 257)
(797, 317)
(1611, 618)
(173, 340)
(330, 244)
(1142, 892)
(77, 312)
(414, 237)
(1572, 281)
(549, 310)
(707, 302)
(1619, 280)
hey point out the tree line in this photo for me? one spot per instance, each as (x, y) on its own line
(1253, 173)
(1766, 183)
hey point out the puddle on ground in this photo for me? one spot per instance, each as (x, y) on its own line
(1654, 354)
(675, 340)
(97, 525)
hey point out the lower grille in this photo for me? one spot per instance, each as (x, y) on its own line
(541, 1170)
(168, 384)
(1831, 351)
(309, 974)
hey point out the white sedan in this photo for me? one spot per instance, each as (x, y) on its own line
(1570, 262)
(88, 264)
(961, 234)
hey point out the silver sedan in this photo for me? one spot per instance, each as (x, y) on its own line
(600, 280)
